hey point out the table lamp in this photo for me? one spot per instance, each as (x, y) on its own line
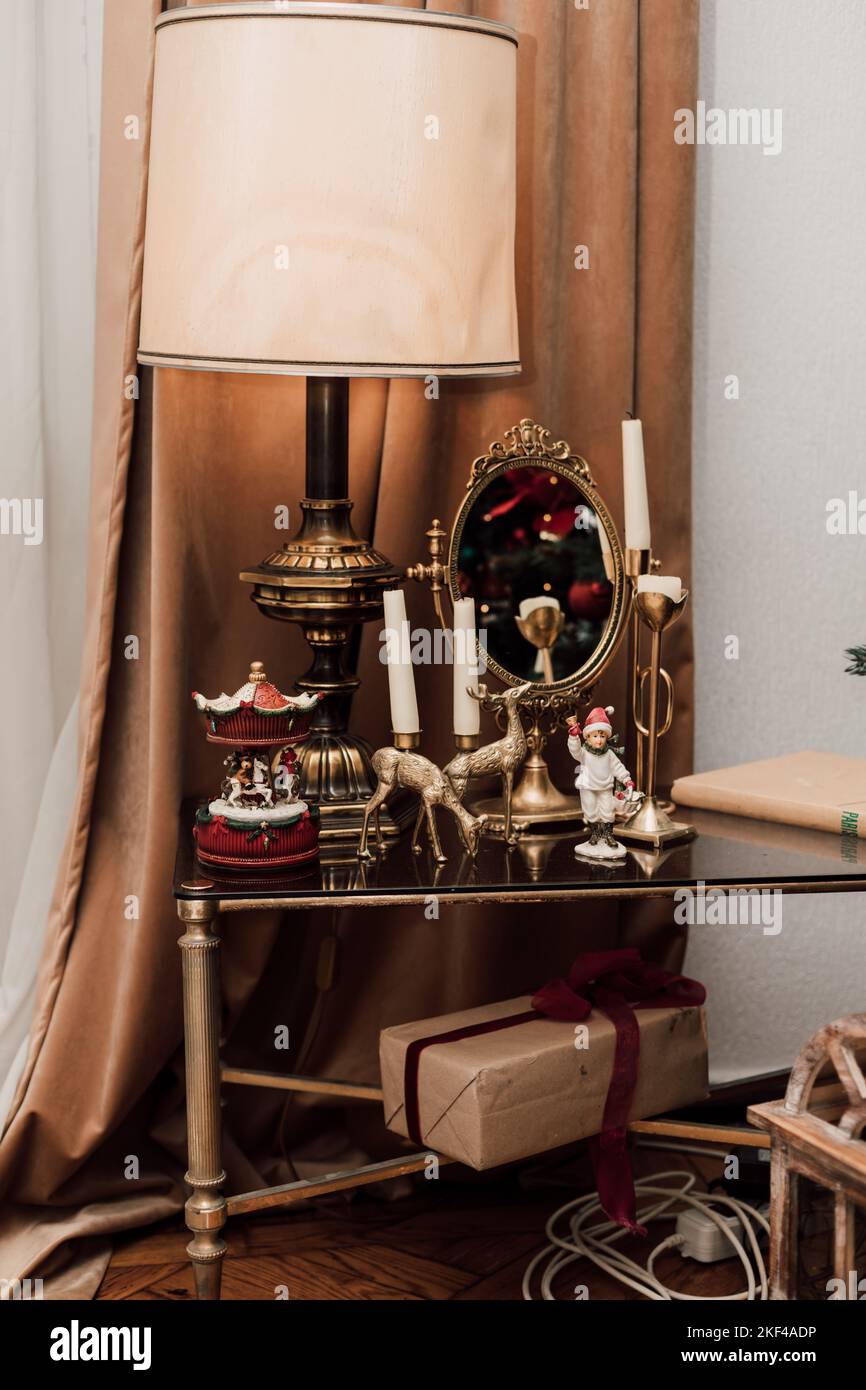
(332, 194)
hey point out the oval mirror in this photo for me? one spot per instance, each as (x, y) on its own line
(535, 546)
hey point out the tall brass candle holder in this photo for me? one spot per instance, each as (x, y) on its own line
(637, 563)
(651, 824)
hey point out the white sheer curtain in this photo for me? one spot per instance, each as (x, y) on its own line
(50, 63)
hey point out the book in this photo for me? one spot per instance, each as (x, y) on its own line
(774, 835)
(820, 791)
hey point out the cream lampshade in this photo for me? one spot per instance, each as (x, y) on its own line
(332, 192)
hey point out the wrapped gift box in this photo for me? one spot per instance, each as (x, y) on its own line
(521, 1090)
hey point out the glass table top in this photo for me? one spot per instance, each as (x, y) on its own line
(728, 852)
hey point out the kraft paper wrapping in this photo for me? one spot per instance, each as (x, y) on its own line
(503, 1096)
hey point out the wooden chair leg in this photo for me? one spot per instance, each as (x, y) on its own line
(844, 1258)
(784, 1204)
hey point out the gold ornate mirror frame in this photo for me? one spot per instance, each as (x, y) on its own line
(529, 445)
(547, 705)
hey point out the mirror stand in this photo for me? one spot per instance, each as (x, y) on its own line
(536, 801)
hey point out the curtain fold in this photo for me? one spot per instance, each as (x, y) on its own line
(49, 77)
(184, 486)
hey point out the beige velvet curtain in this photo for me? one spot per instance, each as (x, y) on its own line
(185, 482)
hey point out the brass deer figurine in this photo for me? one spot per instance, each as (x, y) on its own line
(394, 769)
(502, 758)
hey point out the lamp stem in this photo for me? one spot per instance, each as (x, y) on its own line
(327, 478)
(327, 482)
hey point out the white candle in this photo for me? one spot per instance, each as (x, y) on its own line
(401, 677)
(529, 605)
(467, 712)
(637, 520)
(661, 584)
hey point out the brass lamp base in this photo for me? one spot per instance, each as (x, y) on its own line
(329, 581)
(536, 801)
(651, 825)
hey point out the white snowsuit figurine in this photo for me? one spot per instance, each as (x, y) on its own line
(598, 770)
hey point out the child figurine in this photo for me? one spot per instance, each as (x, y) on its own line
(600, 771)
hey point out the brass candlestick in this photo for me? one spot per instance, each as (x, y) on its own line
(651, 823)
(637, 562)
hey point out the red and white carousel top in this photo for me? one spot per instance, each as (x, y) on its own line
(257, 693)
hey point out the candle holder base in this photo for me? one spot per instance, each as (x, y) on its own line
(536, 801)
(651, 825)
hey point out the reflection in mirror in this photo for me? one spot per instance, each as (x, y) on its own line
(532, 534)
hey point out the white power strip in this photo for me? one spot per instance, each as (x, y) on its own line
(703, 1240)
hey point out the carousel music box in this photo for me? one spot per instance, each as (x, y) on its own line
(257, 822)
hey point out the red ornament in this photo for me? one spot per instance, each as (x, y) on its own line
(589, 599)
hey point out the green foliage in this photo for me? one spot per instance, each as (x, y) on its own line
(857, 658)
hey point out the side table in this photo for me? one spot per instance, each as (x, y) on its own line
(729, 854)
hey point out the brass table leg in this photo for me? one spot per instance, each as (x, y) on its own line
(206, 1206)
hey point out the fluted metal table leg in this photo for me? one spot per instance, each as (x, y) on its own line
(206, 1205)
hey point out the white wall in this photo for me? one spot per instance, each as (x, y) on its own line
(781, 303)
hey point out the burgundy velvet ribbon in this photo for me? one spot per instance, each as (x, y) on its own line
(616, 983)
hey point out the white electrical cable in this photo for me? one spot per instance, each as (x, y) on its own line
(596, 1243)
